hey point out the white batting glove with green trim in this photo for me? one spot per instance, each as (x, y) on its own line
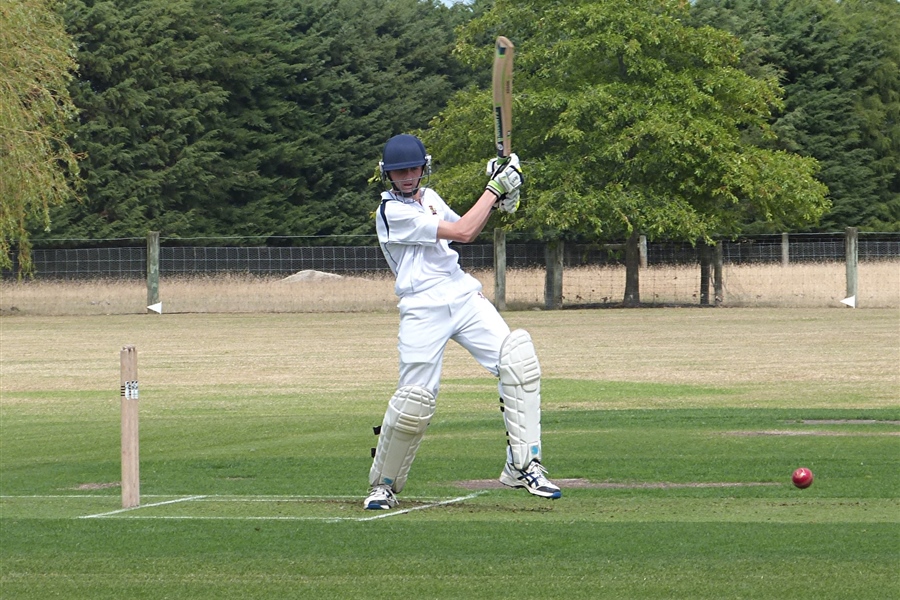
(494, 163)
(508, 203)
(506, 177)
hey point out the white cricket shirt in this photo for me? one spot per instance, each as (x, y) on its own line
(407, 233)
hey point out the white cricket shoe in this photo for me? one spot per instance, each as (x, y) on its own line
(533, 478)
(381, 497)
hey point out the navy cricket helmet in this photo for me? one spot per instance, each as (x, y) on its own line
(404, 151)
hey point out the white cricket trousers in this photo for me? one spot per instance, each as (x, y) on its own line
(452, 310)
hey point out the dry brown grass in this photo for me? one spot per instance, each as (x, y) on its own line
(810, 285)
(795, 286)
(727, 357)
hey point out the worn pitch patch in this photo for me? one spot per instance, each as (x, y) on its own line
(819, 432)
(847, 422)
(493, 484)
(789, 432)
(95, 486)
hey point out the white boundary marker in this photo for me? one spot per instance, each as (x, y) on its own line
(121, 513)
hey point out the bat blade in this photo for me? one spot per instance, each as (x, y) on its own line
(503, 71)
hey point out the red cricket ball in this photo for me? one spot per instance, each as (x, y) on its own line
(802, 478)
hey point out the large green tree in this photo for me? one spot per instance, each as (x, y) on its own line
(247, 117)
(839, 64)
(628, 120)
(147, 118)
(315, 89)
(37, 167)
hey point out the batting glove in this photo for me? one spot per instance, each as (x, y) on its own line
(506, 177)
(508, 203)
(494, 163)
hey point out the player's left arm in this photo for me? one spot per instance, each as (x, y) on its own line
(470, 224)
(505, 179)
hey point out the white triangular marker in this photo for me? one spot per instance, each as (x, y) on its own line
(851, 301)
(157, 308)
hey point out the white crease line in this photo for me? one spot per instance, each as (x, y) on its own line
(63, 496)
(208, 518)
(204, 497)
(394, 513)
(123, 510)
(207, 497)
(219, 518)
(270, 499)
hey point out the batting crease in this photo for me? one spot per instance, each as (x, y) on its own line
(392, 513)
(133, 508)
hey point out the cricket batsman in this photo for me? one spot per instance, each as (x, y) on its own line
(439, 302)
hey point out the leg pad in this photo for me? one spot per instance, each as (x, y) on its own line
(520, 392)
(408, 414)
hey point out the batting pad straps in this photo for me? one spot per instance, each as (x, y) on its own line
(407, 416)
(520, 391)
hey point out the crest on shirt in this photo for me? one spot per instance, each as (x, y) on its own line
(432, 209)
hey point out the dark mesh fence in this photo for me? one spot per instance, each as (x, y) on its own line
(800, 250)
(270, 261)
(130, 261)
(86, 263)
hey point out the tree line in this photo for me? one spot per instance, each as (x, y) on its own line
(267, 117)
(246, 117)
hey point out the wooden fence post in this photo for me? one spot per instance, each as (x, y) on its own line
(500, 269)
(152, 269)
(553, 281)
(718, 284)
(704, 273)
(632, 298)
(851, 246)
(642, 249)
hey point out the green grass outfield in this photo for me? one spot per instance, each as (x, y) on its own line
(672, 431)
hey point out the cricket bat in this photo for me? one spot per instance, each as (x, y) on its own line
(503, 70)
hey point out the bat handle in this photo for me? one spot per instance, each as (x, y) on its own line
(499, 163)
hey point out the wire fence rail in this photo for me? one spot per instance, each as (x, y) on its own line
(317, 274)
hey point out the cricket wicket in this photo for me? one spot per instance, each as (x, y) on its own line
(131, 482)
